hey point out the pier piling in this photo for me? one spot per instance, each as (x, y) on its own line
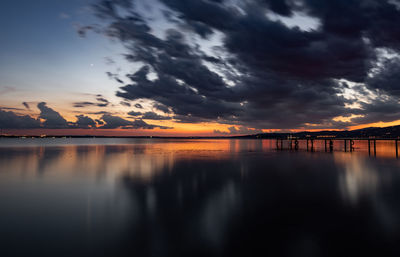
(369, 147)
(293, 144)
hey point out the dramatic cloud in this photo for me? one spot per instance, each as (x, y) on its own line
(162, 108)
(154, 116)
(248, 64)
(10, 120)
(238, 131)
(387, 78)
(49, 117)
(148, 115)
(113, 122)
(52, 119)
(85, 122)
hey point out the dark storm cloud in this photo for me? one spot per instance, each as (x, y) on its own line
(384, 110)
(10, 120)
(278, 6)
(183, 99)
(375, 19)
(49, 117)
(148, 115)
(279, 76)
(52, 119)
(154, 116)
(84, 122)
(113, 122)
(387, 78)
(162, 108)
(263, 44)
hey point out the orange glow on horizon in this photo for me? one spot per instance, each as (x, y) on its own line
(178, 129)
(376, 124)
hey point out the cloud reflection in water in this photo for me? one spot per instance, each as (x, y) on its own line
(196, 198)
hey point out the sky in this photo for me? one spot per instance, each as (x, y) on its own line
(198, 67)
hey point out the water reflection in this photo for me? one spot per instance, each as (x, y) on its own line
(196, 198)
(358, 179)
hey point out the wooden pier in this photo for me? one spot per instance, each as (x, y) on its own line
(348, 144)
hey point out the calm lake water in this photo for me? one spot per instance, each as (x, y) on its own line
(142, 197)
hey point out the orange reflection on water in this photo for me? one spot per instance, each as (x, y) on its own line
(106, 162)
(142, 160)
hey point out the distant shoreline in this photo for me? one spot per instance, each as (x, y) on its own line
(392, 132)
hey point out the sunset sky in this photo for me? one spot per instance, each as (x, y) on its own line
(200, 67)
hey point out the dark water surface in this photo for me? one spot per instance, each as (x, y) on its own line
(138, 197)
